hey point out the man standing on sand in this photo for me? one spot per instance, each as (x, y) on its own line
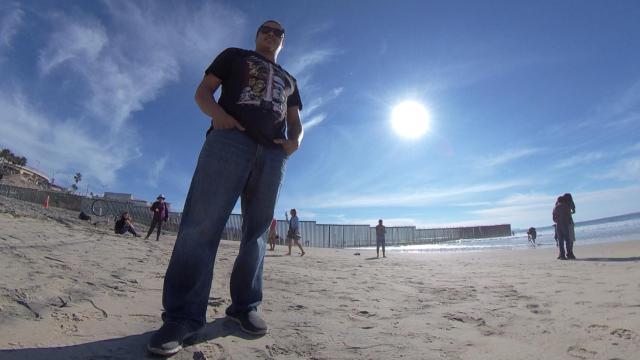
(244, 154)
(562, 218)
(160, 214)
(381, 230)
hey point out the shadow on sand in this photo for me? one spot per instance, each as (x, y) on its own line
(634, 258)
(128, 347)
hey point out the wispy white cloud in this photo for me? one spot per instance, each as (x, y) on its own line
(535, 209)
(302, 65)
(124, 60)
(506, 157)
(306, 60)
(309, 116)
(129, 63)
(318, 101)
(11, 18)
(406, 198)
(156, 170)
(625, 170)
(628, 100)
(77, 42)
(313, 121)
(61, 146)
(580, 159)
(618, 112)
(633, 148)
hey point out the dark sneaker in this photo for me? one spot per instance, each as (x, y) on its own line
(169, 338)
(571, 257)
(250, 322)
(561, 257)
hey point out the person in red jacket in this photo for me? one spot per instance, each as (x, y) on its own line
(160, 211)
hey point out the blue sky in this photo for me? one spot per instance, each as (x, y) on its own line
(528, 100)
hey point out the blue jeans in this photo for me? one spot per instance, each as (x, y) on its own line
(230, 165)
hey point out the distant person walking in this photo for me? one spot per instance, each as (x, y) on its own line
(381, 231)
(273, 234)
(562, 219)
(255, 128)
(160, 214)
(293, 235)
(125, 225)
(531, 235)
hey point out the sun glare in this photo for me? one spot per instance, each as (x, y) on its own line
(410, 119)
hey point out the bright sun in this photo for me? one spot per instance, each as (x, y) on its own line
(410, 119)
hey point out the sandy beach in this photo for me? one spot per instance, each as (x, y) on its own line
(72, 290)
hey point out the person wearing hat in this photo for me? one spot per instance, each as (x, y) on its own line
(160, 214)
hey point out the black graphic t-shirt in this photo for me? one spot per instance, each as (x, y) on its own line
(256, 92)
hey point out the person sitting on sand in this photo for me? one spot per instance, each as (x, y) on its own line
(531, 235)
(381, 230)
(124, 225)
(293, 236)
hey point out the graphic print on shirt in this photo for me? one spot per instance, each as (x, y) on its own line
(266, 86)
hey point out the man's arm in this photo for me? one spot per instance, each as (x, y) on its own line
(207, 104)
(294, 131)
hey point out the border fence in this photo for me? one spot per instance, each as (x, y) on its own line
(313, 234)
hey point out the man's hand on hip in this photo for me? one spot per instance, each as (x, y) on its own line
(289, 146)
(226, 121)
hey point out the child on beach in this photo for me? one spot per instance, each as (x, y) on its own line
(293, 236)
(273, 235)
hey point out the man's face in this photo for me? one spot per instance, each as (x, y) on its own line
(270, 36)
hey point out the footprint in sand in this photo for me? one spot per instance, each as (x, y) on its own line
(296, 307)
(215, 302)
(365, 313)
(203, 351)
(535, 308)
(580, 353)
(624, 334)
(597, 327)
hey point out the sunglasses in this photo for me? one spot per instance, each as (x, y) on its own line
(268, 29)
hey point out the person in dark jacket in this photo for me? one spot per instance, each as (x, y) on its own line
(531, 235)
(125, 225)
(160, 214)
(572, 206)
(562, 218)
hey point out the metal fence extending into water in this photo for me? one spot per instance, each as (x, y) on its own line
(313, 234)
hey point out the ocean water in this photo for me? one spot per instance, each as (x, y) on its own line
(608, 230)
